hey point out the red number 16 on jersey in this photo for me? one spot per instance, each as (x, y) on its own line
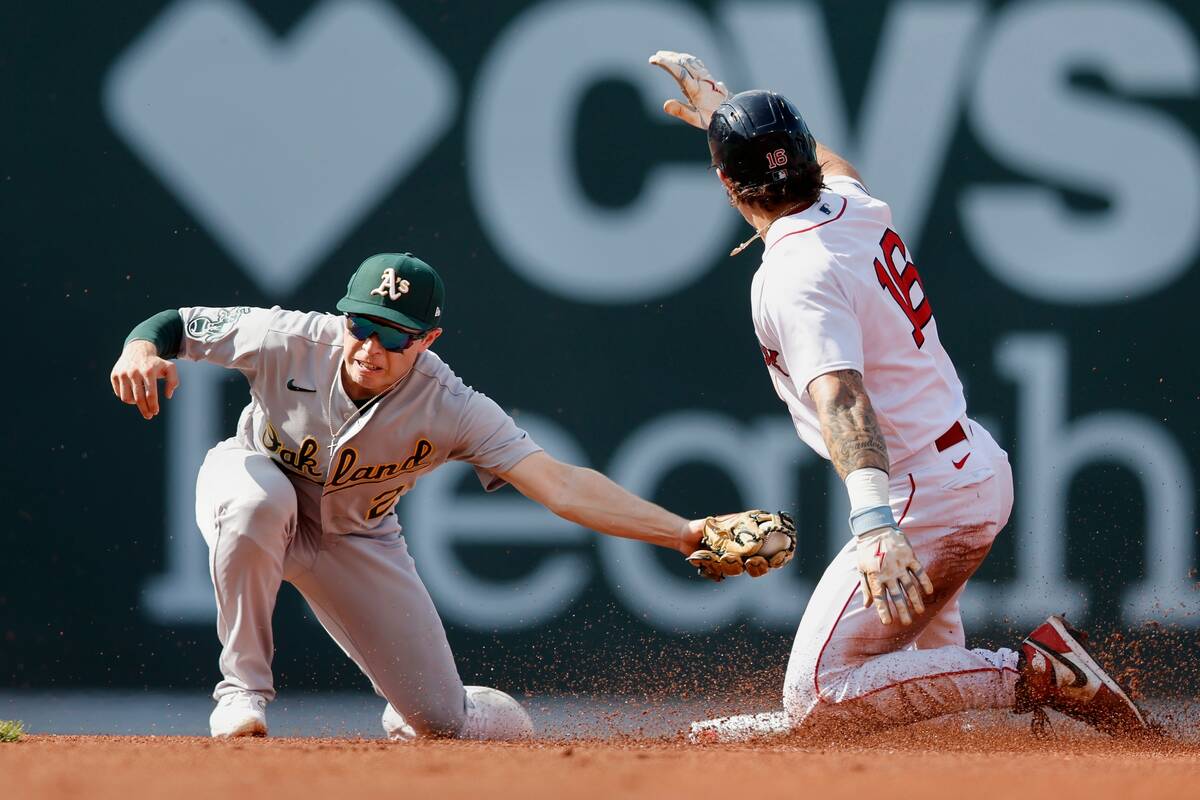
(900, 284)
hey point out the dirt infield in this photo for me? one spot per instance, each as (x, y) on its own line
(926, 764)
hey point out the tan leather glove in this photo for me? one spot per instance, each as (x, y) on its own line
(752, 541)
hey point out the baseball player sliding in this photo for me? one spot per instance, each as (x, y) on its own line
(852, 348)
(346, 413)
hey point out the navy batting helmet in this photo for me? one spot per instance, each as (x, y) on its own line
(758, 137)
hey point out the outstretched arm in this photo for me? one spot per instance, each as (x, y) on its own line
(588, 498)
(702, 93)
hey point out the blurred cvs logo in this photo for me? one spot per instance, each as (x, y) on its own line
(279, 147)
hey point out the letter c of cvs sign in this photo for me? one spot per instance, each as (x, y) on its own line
(523, 177)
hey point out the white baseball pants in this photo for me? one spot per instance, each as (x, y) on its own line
(364, 590)
(849, 669)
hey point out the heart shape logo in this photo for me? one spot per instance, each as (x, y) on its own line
(279, 147)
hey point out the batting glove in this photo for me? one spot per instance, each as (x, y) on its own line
(888, 570)
(702, 91)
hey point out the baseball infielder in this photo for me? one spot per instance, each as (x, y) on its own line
(346, 413)
(850, 342)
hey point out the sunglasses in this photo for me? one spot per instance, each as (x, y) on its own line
(394, 340)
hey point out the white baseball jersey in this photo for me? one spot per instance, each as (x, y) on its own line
(349, 466)
(837, 290)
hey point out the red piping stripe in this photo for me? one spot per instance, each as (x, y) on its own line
(929, 678)
(817, 667)
(828, 639)
(912, 492)
(810, 227)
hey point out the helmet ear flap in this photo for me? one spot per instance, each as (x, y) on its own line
(720, 132)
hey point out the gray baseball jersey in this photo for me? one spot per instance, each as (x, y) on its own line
(348, 465)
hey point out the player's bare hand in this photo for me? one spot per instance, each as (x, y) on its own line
(689, 536)
(890, 576)
(701, 90)
(136, 374)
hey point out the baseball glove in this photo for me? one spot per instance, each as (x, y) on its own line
(750, 541)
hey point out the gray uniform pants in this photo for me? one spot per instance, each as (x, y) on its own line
(365, 591)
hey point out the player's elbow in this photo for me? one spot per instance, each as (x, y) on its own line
(576, 493)
(563, 494)
(545, 480)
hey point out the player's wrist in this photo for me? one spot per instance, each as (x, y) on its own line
(870, 521)
(870, 508)
(141, 350)
(687, 536)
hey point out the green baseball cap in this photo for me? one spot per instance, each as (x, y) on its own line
(397, 287)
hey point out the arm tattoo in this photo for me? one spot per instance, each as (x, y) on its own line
(848, 423)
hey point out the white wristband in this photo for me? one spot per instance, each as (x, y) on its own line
(867, 487)
(869, 507)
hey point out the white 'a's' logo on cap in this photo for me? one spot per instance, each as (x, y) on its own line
(388, 286)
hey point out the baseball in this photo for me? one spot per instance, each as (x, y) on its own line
(776, 541)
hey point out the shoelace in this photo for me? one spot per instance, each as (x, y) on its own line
(248, 701)
(1039, 724)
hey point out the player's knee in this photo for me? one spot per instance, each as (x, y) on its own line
(809, 696)
(444, 720)
(493, 715)
(798, 702)
(483, 714)
(799, 687)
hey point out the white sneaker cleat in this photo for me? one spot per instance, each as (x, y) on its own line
(739, 728)
(239, 714)
(395, 727)
(494, 716)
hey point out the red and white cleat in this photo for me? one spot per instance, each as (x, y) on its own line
(1057, 672)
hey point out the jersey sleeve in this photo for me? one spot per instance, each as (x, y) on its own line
(228, 337)
(857, 194)
(847, 186)
(815, 326)
(489, 439)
